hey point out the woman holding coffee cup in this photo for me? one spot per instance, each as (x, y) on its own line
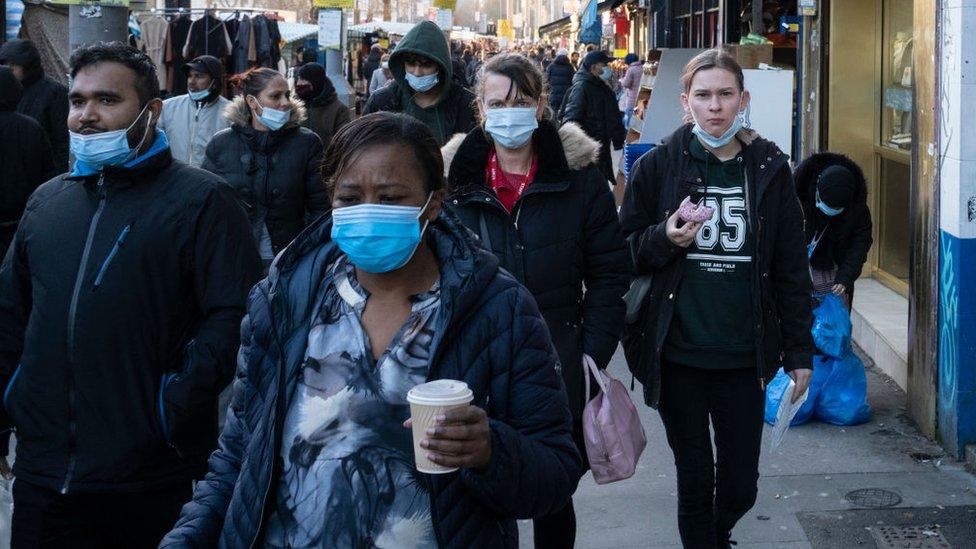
(383, 307)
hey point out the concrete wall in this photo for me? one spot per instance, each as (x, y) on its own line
(957, 205)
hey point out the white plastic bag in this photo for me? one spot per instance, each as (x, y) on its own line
(787, 409)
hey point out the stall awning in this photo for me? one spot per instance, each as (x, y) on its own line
(389, 27)
(555, 25)
(293, 32)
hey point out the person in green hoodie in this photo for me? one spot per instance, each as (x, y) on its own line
(423, 85)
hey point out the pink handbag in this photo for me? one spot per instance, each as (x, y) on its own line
(612, 429)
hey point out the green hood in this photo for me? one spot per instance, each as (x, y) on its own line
(426, 39)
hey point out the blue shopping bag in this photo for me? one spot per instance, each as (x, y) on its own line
(832, 326)
(844, 396)
(774, 391)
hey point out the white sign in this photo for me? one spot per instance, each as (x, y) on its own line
(330, 29)
(445, 19)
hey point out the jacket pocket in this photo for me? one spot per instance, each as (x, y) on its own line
(119, 242)
(9, 389)
(161, 403)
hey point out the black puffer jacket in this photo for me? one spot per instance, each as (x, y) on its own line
(120, 304)
(273, 173)
(848, 239)
(490, 336)
(44, 100)
(562, 236)
(559, 74)
(781, 289)
(25, 157)
(590, 103)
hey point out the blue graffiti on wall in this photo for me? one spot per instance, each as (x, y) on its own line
(949, 330)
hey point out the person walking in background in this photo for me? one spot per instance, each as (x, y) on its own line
(381, 76)
(591, 103)
(533, 194)
(269, 160)
(729, 297)
(834, 195)
(121, 299)
(630, 84)
(44, 99)
(190, 121)
(25, 156)
(423, 86)
(574, 60)
(369, 66)
(326, 114)
(384, 293)
(559, 76)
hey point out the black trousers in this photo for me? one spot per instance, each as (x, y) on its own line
(48, 519)
(714, 490)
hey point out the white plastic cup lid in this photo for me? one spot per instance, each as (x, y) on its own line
(442, 392)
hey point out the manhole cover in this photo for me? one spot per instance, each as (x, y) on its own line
(873, 497)
(909, 537)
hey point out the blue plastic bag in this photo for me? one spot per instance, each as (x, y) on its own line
(774, 391)
(844, 396)
(832, 326)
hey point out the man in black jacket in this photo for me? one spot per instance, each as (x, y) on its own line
(44, 100)
(121, 299)
(591, 104)
(25, 155)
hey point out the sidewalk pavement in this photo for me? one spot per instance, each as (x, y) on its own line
(802, 487)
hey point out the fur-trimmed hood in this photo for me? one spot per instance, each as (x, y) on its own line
(239, 113)
(560, 151)
(807, 172)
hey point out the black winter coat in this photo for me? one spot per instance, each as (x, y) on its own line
(782, 288)
(490, 335)
(590, 103)
(25, 156)
(120, 303)
(44, 99)
(559, 74)
(848, 239)
(274, 172)
(562, 236)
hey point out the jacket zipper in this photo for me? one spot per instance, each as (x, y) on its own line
(193, 133)
(111, 255)
(72, 313)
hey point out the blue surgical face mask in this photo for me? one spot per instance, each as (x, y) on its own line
(198, 95)
(378, 238)
(112, 148)
(717, 142)
(827, 210)
(274, 119)
(511, 127)
(421, 83)
(606, 74)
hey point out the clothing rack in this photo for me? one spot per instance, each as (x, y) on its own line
(206, 12)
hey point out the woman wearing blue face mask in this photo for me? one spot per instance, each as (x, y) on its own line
(729, 297)
(386, 293)
(534, 195)
(270, 160)
(834, 195)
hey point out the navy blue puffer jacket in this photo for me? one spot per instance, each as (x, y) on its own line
(491, 336)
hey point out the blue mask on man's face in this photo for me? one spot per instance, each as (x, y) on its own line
(421, 83)
(827, 210)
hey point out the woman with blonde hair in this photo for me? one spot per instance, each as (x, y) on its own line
(712, 216)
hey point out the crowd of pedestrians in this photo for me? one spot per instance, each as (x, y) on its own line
(464, 228)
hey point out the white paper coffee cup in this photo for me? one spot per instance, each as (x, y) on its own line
(427, 401)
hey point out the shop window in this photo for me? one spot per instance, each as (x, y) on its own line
(894, 143)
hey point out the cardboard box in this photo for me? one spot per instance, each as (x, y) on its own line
(750, 56)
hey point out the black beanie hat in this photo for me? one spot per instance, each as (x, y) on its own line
(315, 74)
(836, 186)
(595, 57)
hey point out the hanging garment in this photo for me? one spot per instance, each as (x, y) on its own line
(179, 29)
(208, 36)
(262, 42)
(153, 41)
(242, 52)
